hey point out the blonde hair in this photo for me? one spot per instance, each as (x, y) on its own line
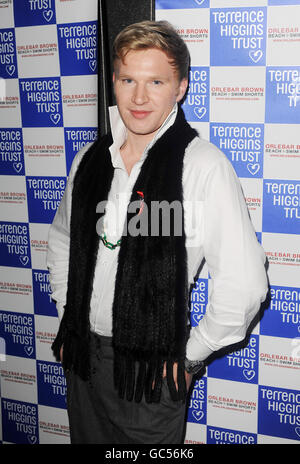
(154, 34)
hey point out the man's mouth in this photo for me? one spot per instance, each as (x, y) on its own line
(139, 114)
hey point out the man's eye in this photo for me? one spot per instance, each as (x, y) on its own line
(156, 82)
(127, 81)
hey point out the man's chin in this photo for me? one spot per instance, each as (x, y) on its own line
(143, 131)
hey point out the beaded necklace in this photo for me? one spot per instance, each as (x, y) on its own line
(112, 246)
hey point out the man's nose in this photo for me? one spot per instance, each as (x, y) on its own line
(140, 94)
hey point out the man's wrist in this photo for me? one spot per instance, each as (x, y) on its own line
(193, 367)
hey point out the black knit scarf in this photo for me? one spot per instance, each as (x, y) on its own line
(150, 308)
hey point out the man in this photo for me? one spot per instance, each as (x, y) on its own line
(122, 298)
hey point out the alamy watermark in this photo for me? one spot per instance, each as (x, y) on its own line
(158, 218)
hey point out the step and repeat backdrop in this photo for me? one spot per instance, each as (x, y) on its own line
(244, 97)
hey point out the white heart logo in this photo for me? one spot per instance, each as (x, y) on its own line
(24, 260)
(10, 69)
(28, 350)
(255, 55)
(200, 112)
(249, 373)
(17, 167)
(48, 15)
(55, 118)
(297, 430)
(32, 439)
(253, 168)
(197, 415)
(196, 318)
(93, 64)
(199, 2)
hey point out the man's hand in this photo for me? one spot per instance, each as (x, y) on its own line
(188, 377)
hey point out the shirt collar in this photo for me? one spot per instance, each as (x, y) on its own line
(119, 133)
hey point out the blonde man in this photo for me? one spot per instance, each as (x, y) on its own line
(120, 281)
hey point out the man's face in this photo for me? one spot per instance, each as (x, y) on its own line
(146, 89)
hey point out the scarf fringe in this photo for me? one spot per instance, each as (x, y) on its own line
(71, 342)
(133, 379)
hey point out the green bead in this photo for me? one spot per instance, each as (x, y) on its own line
(109, 245)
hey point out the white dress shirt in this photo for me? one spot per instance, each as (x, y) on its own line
(217, 227)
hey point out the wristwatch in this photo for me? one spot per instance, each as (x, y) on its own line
(193, 367)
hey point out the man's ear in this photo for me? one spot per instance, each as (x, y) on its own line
(183, 85)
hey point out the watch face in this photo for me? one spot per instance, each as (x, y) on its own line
(193, 367)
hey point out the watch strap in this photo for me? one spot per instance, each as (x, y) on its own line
(193, 367)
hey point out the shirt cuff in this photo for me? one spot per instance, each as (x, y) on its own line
(196, 349)
(60, 310)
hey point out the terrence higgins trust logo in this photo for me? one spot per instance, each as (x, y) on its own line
(51, 384)
(44, 195)
(11, 152)
(197, 402)
(17, 329)
(34, 12)
(238, 36)
(8, 57)
(240, 365)
(41, 102)
(279, 412)
(43, 303)
(196, 103)
(218, 436)
(282, 318)
(198, 301)
(243, 145)
(283, 95)
(14, 244)
(19, 422)
(78, 48)
(281, 212)
(75, 139)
